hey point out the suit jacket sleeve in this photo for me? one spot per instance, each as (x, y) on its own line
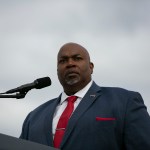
(25, 128)
(137, 125)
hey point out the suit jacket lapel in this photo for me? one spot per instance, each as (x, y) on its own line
(85, 103)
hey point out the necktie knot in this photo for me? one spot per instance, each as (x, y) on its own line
(72, 99)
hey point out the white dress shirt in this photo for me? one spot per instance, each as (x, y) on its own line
(63, 103)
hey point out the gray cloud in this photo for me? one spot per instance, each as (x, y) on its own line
(116, 33)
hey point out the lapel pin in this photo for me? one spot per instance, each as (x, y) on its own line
(92, 95)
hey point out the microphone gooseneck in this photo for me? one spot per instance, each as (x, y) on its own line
(37, 84)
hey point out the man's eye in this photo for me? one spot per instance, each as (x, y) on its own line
(62, 61)
(77, 58)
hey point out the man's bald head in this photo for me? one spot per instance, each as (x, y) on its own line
(74, 68)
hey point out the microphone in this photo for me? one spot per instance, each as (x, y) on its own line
(37, 84)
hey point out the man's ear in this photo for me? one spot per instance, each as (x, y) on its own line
(91, 67)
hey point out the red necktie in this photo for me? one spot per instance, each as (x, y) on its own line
(63, 121)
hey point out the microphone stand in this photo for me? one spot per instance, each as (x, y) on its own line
(18, 95)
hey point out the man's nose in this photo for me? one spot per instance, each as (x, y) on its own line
(71, 62)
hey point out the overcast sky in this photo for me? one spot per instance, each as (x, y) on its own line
(115, 32)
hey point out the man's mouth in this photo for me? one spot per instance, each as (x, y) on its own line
(72, 73)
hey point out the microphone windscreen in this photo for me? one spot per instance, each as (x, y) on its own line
(42, 82)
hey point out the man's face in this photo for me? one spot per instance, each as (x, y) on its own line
(74, 66)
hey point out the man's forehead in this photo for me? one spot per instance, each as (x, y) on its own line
(70, 53)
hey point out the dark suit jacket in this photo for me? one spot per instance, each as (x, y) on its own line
(106, 119)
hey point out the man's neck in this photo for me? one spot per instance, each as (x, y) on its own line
(71, 90)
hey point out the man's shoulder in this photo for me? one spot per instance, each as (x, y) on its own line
(112, 90)
(47, 103)
(117, 89)
(43, 107)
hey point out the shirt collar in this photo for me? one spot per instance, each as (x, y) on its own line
(79, 94)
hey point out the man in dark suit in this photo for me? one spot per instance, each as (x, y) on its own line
(104, 118)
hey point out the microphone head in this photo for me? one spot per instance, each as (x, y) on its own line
(42, 82)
